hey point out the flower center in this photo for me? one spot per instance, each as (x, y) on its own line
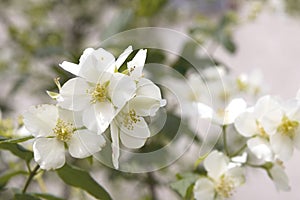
(288, 127)
(130, 119)
(225, 187)
(241, 84)
(99, 93)
(63, 130)
(261, 130)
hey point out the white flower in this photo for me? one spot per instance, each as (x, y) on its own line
(54, 127)
(98, 91)
(283, 129)
(226, 116)
(129, 125)
(221, 180)
(251, 83)
(249, 124)
(279, 177)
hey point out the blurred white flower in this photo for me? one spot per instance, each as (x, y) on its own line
(283, 129)
(54, 127)
(249, 124)
(221, 180)
(226, 116)
(98, 91)
(251, 83)
(129, 125)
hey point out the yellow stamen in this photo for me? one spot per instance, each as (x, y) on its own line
(225, 187)
(130, 119)
(99, 93)
(288, 127)
(63, 130)
(261, 130)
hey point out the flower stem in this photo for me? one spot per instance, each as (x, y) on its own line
(30, 177)
(151, 183)
(225, 140)
(239, 151)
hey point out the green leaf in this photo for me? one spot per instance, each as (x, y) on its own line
(47, 196)
(25, 197)
(79, 178)
(5, 178)
(189, 193)
(148, 8)
(182, 185)
(17, 150)
(16, 140)
(228, 43)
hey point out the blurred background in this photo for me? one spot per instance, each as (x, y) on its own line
(242, 35)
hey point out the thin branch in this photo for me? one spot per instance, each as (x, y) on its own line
(30, 177)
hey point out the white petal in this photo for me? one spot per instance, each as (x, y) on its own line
(265, 105)
(269, 111)
(136, 65)
(86, 53)
(147, 88)
(138, 130)
(84, 143)
(95, 64)
(72, 117)
(271, 120)
(144, 106)
(132, 142)
(237, 174)
(114, 130)
(280, 178)
(204, 111)
(121, 59)
(98, 116)
(240, 158)
(261, 148)
(40, 120)
(70, 67)
(245, 124)
(204, 189)
(282, 146)
(75, 95)
(296, 140)
(121, 89)
(49, 153)
(216, 164)
(106, 61)
(234, 109)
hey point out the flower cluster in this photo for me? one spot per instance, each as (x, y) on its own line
(271, 130)
(99, 97)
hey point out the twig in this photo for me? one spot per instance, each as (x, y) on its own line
(30, 177)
